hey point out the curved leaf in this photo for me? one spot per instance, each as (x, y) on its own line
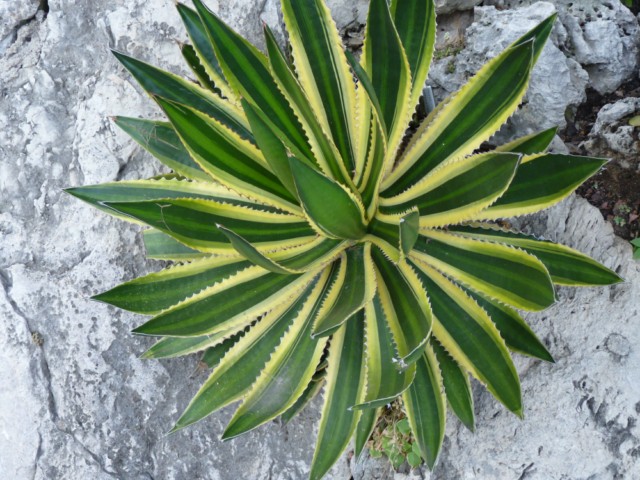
(345, 387)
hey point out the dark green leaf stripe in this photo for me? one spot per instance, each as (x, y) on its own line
(539, 34)
(415, 21)
(409, 225)
(516, 333)
(158, 291)
(352, 292)
(374, 169)
(318, 55)
(161, 84)
(467, 333)
(386, 65)
(405, 305)
(384, 381)
(193, 222)
(161, 141)
(218, 154)
(198, 35)
(246, 69)
(345, 387)
(241, 364)
(531, 144)
(284, 378)
(456, 386)
(326, 153)
(510, 275)
(328, 204)
(160, 246)
(566, 265)
(464, 122)
(543, 181)
(323, 248)
(224, 306)
(425, 407)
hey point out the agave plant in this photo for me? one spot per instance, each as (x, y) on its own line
(317, 246)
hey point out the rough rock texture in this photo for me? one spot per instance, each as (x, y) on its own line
(12, 15)
(75, 400)
(557, 85)
(602, 35)
(581, 413)
(448, 6)
(612, 135)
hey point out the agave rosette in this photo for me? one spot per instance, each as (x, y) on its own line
(315, 250)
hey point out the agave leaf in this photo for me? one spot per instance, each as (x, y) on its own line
(566, 265)
(212, 356)
(395, 235)
(354, 286)
(468, 334)
(456, 386)
(191, 57)
(203, 48)
(385, 61)
(161, 84)
(102, 194)
(530, 144)
(329, 205)
(192, 222)
(274, 151)
(405, 306)
(424, 402)
(502, 272)
(369, 183)
(367, 84)
(458, 189)
(325, 152)
(161, 141)
(345, 387)
(247, 71)
(225, 156)
(365, 428)
(312, 390)
(323, 72)
(294, 260)
(242, 364)
(384, 381)
(171, 347)
(160, 246)
(542, 181)
(285, 376)
(471, 116)
(415, 21)
(516, 333)
(231, 303)
(158, 291)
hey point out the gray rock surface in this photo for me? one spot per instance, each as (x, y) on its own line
(602, 35)
(13, 15)
(448, 6)
(75, 400)
(612, 135)
(557, 85)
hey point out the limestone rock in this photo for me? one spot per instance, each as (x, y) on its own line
(448, 6)
(612, 135)
(557, 84)
(602, 35)
(14, 14)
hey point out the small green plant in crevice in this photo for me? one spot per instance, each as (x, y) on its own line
(450, 49)
(392, 437)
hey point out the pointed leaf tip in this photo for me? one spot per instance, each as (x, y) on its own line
(334, 209)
